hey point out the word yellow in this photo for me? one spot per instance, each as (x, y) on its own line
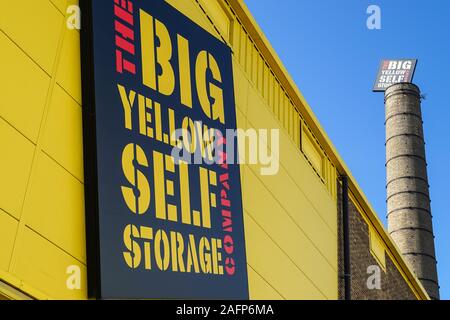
(171, 251)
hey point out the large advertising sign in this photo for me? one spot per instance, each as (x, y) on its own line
(163, 203)
(394, 71)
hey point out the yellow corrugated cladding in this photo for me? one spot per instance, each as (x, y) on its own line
(290, 218)
(41, 168)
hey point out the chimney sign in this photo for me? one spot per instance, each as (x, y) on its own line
(394, 71)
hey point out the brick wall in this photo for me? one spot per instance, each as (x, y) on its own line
(393, 285)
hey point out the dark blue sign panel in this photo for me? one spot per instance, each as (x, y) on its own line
(163, 201)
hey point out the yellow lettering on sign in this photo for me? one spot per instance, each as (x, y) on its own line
(171, 251)
(206, 140)
(185, 193)
(172, 127)
(148, 50)
(145, 117)
(158, 122)
(189, 135)
(204, 191)
(214, 254)
(154, 56)
(208, 92)
(158, 72)
(160, 189)
(205, 255)
(137, 197)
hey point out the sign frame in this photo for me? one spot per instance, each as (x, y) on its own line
(94, 150)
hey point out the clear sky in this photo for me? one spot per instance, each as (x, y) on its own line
(333, 57)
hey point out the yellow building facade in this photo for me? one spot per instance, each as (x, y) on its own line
(291, 218)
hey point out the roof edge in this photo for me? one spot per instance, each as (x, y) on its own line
(252, 27)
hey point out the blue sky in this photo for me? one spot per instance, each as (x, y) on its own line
(333, 57)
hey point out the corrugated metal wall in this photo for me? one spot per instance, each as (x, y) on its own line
(290, 218)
